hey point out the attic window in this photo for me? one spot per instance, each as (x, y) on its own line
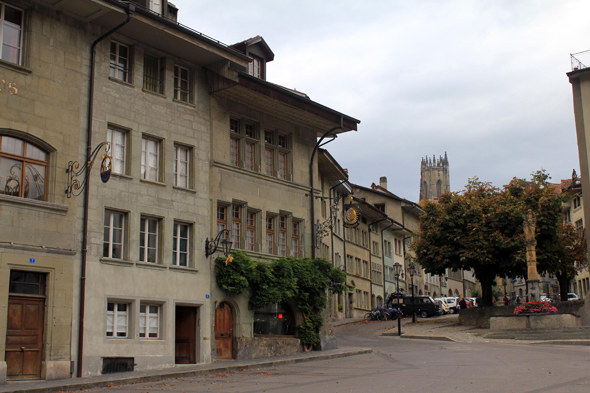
(254, 67)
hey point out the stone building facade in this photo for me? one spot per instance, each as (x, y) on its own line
(434, 178)
(117, 277)
(263, 138)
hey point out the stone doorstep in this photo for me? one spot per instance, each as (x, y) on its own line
(159, 375)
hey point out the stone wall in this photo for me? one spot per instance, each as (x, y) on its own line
(480, 316)
(261, 347)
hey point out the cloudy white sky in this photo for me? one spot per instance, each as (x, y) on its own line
(483, 80)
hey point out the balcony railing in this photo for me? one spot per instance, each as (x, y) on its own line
(577, 60)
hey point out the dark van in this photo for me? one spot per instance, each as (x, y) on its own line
(425, 306)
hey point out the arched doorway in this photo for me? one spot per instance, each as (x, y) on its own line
(224, 331)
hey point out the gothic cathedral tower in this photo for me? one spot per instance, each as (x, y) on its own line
(434, 178)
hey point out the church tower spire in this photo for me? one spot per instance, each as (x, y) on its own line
(434, 177)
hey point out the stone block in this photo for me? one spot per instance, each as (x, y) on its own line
(55, 369)
(532, 321)
(259, 347)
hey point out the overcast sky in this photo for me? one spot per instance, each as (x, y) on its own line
(484, 81)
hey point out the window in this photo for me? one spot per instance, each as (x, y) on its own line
(182, 90)
(153, 74)
(380, 206)
(119, 68)
(236, 225)
(221, 218)
(270, 234)
(251, 231)
(117, 319)
(11, 33)
(398, 246)
(23, 169)
(249, 156)
(277, 149)
(282, 236)
(295, 240)
(375, 248)
(366, 269)
(577, 202)
(180, 253)
(117, 138)
(150, 157)
(27, 283)
(156, 6)
(283, 166)
(357, 262)
(113, 234)
(269, 161)
(275, 319)
(149, 321)
(254, 67)
(580, 227)
(349, 264)
(148, 240)
(567, 217)
(182, 166)
(234, 152)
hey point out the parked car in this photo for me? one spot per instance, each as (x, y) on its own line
(572, 296)
(425, 306)
(444, 307)
(472, 300)
(452, 302)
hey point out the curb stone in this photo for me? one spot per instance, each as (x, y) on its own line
(76, 384)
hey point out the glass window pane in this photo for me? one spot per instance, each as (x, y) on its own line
(10, 176)
(12, 145)
(13, 15)
(183, 261)
(34, 182)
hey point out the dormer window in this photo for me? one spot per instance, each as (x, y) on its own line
(156, 6)
(254, 67)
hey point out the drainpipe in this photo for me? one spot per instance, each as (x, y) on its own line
(315, 149)
(130, 9)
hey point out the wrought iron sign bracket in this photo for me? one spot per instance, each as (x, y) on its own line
(78, 176)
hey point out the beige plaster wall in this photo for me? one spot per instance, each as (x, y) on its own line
(44, 110)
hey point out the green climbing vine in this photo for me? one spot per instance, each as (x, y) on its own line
(303, 281)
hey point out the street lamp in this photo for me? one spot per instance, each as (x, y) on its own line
(212, 245)
(397, 268)
(411, 272)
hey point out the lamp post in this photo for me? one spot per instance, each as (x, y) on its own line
(411, 272)
(397, 268)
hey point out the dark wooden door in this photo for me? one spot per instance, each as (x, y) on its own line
(24, 337)
(224, 331)
(186, 335)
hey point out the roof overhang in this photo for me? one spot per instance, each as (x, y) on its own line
(329, 167)
(281, 103)
(146, 26)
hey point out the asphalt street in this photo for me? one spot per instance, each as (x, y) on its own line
(405, 365)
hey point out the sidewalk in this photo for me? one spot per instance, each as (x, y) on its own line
(180, 371)
(448, 329)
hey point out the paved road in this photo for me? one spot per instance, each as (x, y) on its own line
(406, 365)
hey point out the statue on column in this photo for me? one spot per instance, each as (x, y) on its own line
(530, 225)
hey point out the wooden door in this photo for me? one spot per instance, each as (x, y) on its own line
(24, 337)
(186, 335)
(224, 331)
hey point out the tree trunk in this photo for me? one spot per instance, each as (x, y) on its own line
(486, 289)
(563, 285)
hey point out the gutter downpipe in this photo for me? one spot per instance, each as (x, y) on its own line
(130, 9)
(312, 194)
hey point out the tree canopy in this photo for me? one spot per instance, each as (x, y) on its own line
(481, 228)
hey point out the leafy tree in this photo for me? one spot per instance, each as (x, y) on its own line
(303, 281)
(475, 229)
(571, 257)
(481, 228)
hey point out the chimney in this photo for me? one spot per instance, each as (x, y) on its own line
(383, 182)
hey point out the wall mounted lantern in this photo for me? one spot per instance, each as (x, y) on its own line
(221, 239)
